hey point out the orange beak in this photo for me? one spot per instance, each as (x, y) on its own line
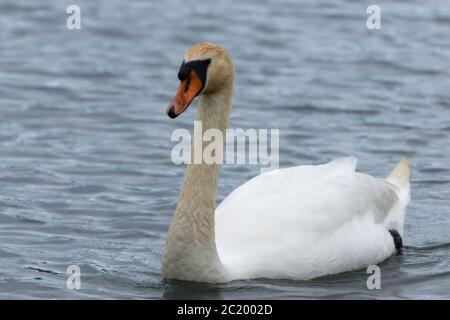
(187, 91)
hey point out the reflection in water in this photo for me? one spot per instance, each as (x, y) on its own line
(174, 290)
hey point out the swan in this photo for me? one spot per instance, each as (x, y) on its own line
(293, 223)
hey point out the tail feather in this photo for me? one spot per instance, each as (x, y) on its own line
(400, 178)
(401, 174)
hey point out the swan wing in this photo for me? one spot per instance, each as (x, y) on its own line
(306, 221)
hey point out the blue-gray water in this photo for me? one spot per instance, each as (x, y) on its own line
(85, 171)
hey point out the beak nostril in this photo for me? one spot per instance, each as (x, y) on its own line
(171, 113)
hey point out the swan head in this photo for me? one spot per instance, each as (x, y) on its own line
(206, 69)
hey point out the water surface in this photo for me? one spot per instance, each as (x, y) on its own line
(85, 170)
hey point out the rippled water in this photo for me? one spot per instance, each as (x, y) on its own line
(85, 170)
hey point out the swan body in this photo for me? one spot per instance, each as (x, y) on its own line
(294, 223)
(309, 221)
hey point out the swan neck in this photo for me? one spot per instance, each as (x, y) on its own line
(191, 246)
(214, 109)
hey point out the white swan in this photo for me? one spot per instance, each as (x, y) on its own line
(295, 223)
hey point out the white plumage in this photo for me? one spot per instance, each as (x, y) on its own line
(308, 221)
